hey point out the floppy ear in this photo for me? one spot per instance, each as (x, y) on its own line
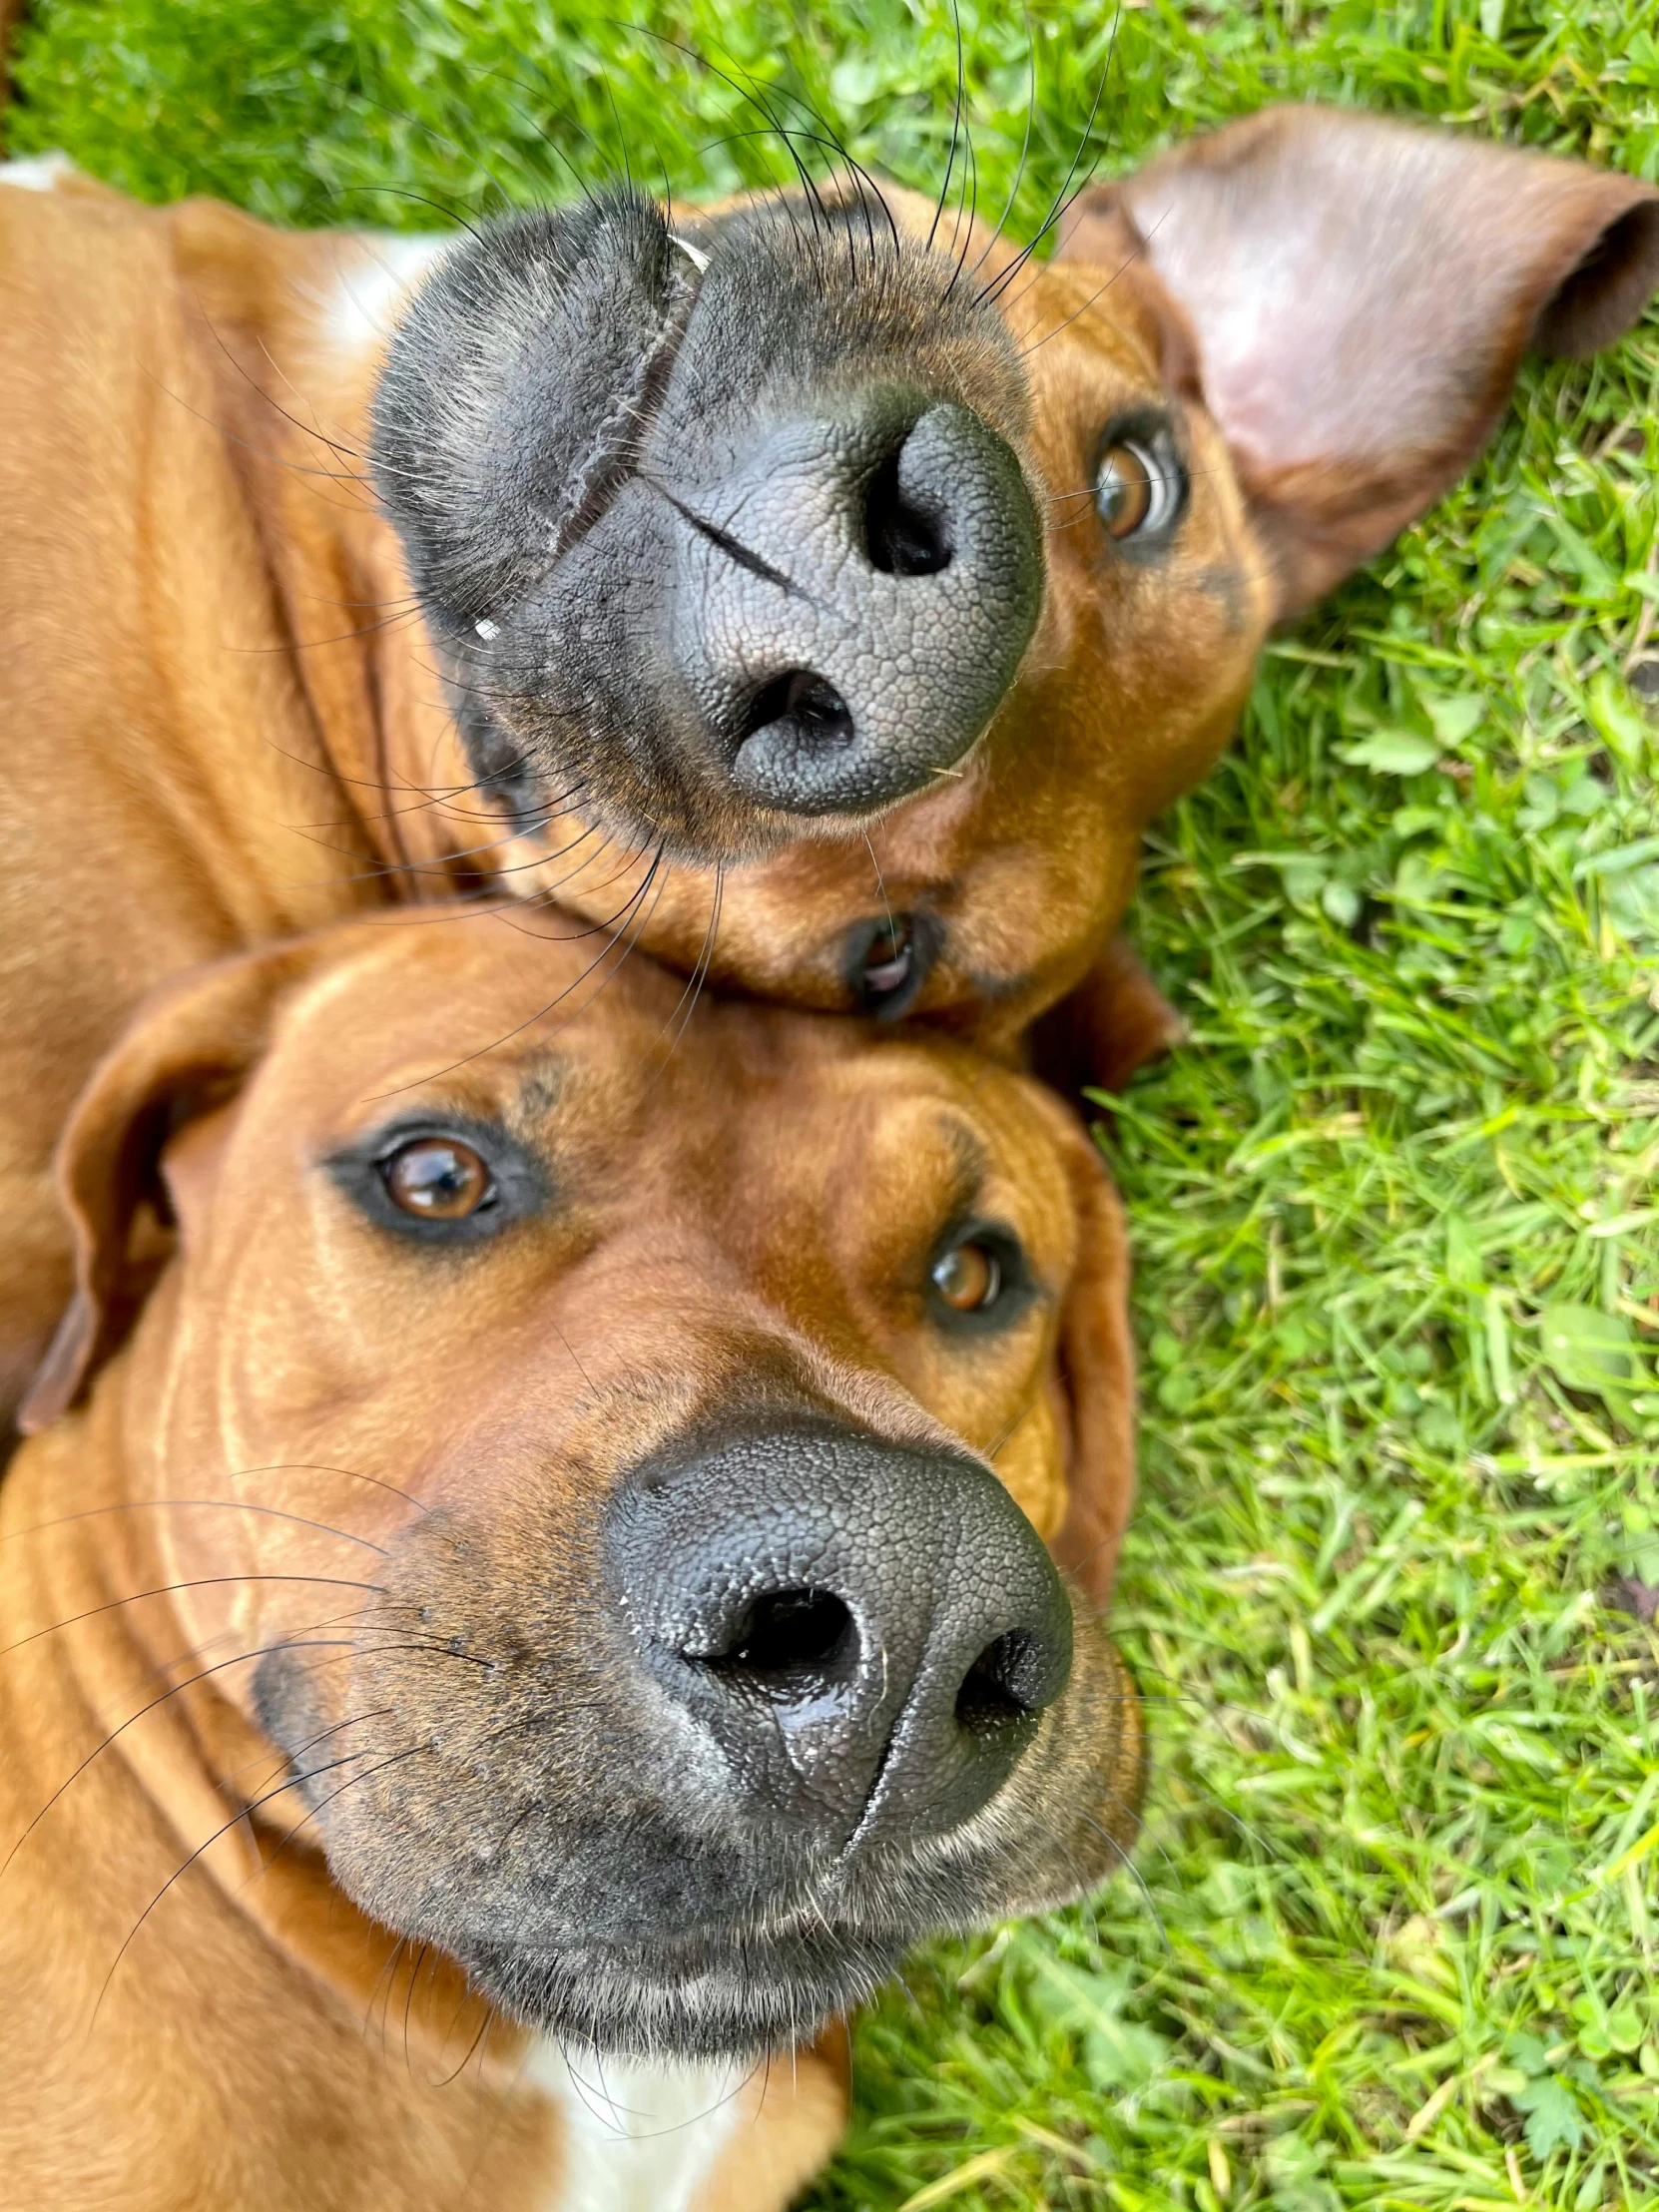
(187, 1052)
(1113, 1022)
(1097, 1372)
(1361, 293)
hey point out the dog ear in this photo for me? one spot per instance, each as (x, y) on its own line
(186, 1053)
(1097, 1374)
(1361, 293)
(1113, 1022)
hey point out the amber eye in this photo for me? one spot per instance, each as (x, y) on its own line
(968, 1278)
(438, 1179)
(1138, 486)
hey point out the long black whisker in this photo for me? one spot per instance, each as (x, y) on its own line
(1025, 143)
(542, 1012)
(955, 126)
(752, 97)
(294, 1780)
(1060, 203)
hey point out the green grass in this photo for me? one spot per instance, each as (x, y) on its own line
(1392, 1938)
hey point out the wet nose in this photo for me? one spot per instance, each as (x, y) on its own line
(853, 599)
(869, 1634)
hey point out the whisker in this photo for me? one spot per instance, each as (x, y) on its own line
(294, 1780)
(387, 1975)
(1127, 263)
(218, 1504)
(693, 982)
(1129, 1865)
(303, 1642)
(166, 1589)
(1025, 143)
(541, 1014)
(323, 1466)
(1060, 203)
(955, 126)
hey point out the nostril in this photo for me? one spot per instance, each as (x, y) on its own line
(787, 1634)
(991, 1694)
(900, 539)
(819, 711)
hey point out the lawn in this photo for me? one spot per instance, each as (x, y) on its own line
(1391, 1938)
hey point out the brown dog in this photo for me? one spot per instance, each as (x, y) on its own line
(727, 545)
(541, 1537)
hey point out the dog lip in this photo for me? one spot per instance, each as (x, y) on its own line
(613, 460)
(622, 437)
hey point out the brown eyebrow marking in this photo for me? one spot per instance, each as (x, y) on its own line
(971, 1162)
(542, 1084)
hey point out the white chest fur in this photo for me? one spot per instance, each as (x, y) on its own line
(36, 173)
(375, 275)
(355, 307)
(635, 2137)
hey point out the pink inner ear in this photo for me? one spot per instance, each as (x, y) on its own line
(1322, 325)
(1363, 291)
(1360, 287)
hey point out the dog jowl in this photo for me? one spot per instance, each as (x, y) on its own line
(742, 537)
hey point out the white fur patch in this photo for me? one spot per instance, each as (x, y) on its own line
(36, 173)
(361, 304)
(635, 2137)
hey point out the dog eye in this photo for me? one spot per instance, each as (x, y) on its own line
(438, 1179)
(891, 959)
(889, 962)
(968, 1278)
(450, 1183)
(1139, 486)
(979, 1279)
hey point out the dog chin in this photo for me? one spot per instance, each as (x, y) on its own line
(738, 1998)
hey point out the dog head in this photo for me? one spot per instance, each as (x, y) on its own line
(905, 579)
(640, 1436)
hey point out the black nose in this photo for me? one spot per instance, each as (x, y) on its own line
(869, 1634)
(853, 599)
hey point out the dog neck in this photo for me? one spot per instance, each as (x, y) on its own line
(292, 326)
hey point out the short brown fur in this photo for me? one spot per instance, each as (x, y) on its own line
(222, 717)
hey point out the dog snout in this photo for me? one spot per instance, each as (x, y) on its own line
(867, 1634)
(855, 597)
(720, 543)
